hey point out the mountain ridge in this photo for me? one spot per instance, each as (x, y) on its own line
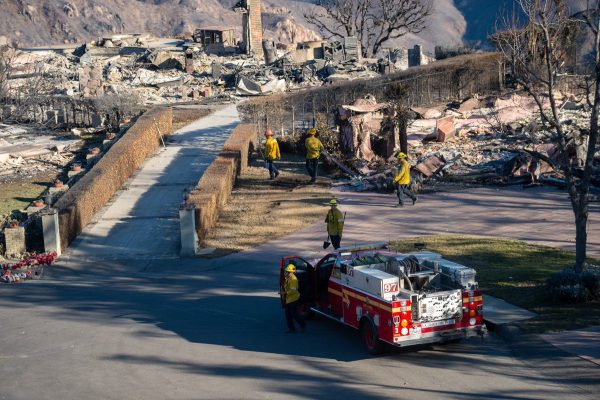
(45, 22)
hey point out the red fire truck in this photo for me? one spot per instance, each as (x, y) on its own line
(400, 299)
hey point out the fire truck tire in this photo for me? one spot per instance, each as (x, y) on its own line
(370, 338)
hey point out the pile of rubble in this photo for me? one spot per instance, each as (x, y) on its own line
(163, 70)
(26, 153)
(498, 141)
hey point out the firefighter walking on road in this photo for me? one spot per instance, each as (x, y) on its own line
(272, 153)
(335, 224)
(402, 181)
(314, 147)
(292, 300)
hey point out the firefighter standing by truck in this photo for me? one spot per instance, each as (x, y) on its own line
(292, 297)
(335, 224)
(402, 181)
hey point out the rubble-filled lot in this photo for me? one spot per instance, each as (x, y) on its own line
(163, 70)
(40, 164)
(491, 140)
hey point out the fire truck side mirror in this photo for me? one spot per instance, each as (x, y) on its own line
(344, 269)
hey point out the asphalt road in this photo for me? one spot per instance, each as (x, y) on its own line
(191, 332)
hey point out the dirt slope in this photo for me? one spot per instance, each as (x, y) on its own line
(40, 22)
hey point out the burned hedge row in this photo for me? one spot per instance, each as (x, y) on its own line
(214, 188)
(78, 206)
(448, 80)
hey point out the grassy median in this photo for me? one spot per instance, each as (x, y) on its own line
(516, 272)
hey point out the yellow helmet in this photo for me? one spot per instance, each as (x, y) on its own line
(333, 202)
(312, 131)
(401, 155)
(268, 132)
(290, 268)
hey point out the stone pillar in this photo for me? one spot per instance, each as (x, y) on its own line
(189, 237)
(252, 24)
(15, 240)
(51, 231)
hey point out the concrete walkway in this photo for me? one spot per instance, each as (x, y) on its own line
(498, 311)
(584, 343)
(142, 222)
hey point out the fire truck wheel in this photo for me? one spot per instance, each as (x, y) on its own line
(370, 337)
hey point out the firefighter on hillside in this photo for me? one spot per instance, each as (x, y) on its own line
(335, 224)
(292, 297)
(314, 147)
(272, 153)
(402, 181)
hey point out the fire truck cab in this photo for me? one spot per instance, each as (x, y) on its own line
(400, 299)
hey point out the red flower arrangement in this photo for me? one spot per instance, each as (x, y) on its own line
(30, 267)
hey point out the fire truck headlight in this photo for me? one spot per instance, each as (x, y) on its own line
(404, 323)
(472, 321)
(404, 331)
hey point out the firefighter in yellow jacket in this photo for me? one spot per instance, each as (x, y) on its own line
(292, 300)
(402, 181)
(314, 147)
(272, 153)
(335, 224)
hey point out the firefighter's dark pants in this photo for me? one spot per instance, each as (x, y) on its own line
(403, 190)
(273, 171)
(291, 314)
(312, 165)
(336, 241)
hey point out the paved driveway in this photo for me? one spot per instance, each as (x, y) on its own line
(539, 215)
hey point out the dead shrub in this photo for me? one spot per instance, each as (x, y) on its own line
(214, 188)
(118, 107)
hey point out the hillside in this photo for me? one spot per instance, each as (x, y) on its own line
(41, 22)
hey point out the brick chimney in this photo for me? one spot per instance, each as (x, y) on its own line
(252, 23)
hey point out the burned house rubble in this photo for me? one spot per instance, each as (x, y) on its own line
(487, 141)
(212, 62)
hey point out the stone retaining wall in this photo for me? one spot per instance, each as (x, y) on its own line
(78, 206)
(214, 188)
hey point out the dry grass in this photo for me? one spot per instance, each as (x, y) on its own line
(261, 210)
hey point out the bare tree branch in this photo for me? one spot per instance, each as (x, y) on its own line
(537, 52)
(374, 22)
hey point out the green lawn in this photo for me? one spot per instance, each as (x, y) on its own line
(516, 272)
(18, 195)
